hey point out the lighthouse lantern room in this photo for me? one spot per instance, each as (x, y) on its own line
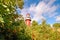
(28, 19)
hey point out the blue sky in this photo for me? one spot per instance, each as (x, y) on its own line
(42, 9)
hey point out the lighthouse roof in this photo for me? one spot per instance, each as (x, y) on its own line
(27, 14)
(28, 17)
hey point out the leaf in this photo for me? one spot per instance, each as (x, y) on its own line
(20, 3)
(1, 19)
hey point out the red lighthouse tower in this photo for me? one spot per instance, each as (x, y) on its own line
(28, 19)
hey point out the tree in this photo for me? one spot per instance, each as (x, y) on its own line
(20, 3)
(57, 25)
(34, 23)
(8, 8)
(8, 25)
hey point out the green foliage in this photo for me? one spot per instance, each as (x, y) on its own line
(34, 23)
(9, 28)
(13, 27)
(20, 3)
(57, 25)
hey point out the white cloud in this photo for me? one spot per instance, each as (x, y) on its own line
(43, 7)
(57, 18)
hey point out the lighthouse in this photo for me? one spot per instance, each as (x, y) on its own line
(28, 19)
